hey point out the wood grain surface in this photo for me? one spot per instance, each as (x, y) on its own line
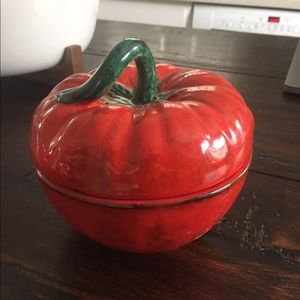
(218, 50)
(253, 253)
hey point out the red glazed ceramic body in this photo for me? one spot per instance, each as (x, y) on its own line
(144, 176)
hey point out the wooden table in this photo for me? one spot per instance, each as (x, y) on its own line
(253, 253)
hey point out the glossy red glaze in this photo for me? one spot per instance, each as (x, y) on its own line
(144, 230)
(196, 141)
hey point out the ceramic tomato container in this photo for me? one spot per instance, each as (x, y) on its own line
(142, 157)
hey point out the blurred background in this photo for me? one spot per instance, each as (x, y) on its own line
(34, 33)
(257, 16)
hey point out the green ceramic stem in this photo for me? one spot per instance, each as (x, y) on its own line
(106, 75)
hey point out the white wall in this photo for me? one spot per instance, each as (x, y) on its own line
(169, 13)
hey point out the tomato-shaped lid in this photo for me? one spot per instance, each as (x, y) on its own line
(142, 132)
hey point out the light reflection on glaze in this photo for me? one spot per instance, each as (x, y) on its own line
(233, 137)
(238, 125)
(219, 148)
(204, 146)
